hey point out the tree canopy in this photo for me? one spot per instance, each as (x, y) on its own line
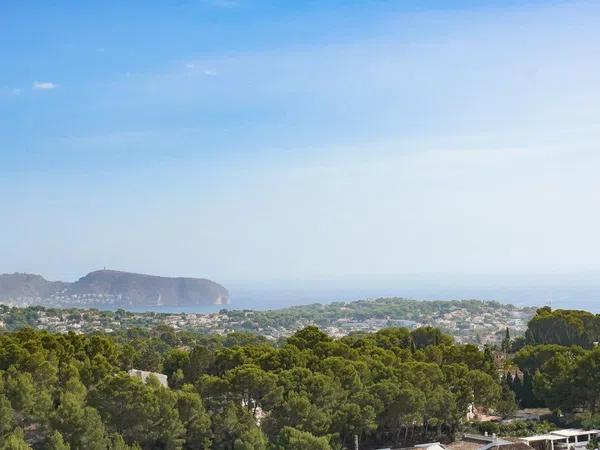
(72, 391)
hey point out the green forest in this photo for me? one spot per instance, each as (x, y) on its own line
(559, 361)
(239, 391)
(307, 392)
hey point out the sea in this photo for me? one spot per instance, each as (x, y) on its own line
(567, 291)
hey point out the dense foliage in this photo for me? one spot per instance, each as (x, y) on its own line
(517, 428)
(563, 327)
(60, 391)
(560, 365)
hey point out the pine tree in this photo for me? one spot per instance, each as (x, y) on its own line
(506, 343)
(57, 442)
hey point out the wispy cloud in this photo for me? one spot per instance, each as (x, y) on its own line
(43, 85)
(197, 68)
(7, 91)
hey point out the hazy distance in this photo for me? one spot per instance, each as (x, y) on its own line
(315, 141)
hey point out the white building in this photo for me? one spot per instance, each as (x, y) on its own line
(568, 439)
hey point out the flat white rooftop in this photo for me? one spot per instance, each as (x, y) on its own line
(559, 434)
(542, 437)
(574, 432)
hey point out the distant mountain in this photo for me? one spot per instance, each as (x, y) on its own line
(110, 288)
(23, 285)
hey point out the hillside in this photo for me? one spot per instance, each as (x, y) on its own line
(110, 288)
(24, 285)
(468, 321)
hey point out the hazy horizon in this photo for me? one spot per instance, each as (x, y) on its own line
(558, 290)
(552, 277)
(257, 140)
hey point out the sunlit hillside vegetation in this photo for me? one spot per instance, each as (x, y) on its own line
(392, 387)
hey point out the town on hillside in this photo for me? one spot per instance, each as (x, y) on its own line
(468, 321)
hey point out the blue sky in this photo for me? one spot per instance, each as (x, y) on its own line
(241, 139)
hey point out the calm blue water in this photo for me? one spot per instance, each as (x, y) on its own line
(561, 291)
